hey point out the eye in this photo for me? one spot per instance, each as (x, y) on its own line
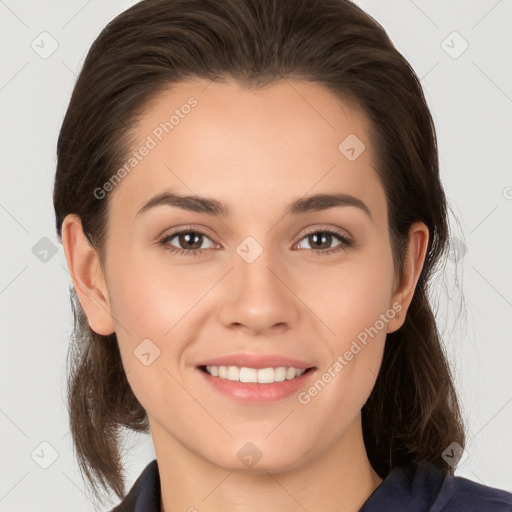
(322, 239)
(191, 240)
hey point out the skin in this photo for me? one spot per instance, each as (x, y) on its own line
(291, 300)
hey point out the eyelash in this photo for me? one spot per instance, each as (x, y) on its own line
(343, 246)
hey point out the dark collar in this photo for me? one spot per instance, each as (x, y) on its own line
(144, 496)
(420, 488)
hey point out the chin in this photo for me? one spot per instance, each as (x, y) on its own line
(255, 457)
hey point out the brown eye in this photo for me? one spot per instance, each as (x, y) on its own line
(185, 242)
(321, 242)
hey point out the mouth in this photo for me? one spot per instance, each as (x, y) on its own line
(262, 385)
(269, 375)
(256, 378)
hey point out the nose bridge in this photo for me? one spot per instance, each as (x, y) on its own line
(253, 267)
(255, 272)
(257, 297)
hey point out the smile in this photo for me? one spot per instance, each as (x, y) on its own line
(254, 375)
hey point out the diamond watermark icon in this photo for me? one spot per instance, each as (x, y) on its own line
(44, 455)
(44, 249)
(453, 454)
(456, 250)
(249, 454)
(249, 249)
(146, 352)
(44, 45)
(352, 147)
(454, 45)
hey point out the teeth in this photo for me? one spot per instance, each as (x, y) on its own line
(262, 375)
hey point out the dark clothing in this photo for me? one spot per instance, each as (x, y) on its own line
(423, 489)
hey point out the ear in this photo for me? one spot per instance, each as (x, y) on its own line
(413, 264)
(87, 276)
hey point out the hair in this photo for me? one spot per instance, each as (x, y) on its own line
(412, 413)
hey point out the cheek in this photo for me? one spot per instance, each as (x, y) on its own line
(353, 354)
(351, 296)
(146, 304)
(148, 298)
(354, 302)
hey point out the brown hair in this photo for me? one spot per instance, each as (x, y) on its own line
(412, 413)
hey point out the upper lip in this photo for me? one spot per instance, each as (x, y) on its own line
(257, 361)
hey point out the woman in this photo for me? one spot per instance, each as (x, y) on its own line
(249, 201)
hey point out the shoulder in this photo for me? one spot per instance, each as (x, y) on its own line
(459, 493)
(425, 488)
(144, 496)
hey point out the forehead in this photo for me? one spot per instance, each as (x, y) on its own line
(262, 146)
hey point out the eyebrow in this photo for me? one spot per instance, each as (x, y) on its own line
(307, 204)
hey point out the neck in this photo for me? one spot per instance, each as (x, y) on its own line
(341, 478)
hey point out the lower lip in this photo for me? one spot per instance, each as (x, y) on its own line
(255, 392)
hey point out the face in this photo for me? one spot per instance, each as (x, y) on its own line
(313, 283)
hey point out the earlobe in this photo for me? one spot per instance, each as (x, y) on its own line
(413, 265)
(87, 276)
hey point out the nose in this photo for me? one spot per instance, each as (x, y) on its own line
(259, 295)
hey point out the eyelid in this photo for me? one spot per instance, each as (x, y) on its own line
(338, 231)
(196, 228)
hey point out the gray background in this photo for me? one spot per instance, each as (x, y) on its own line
(470, 95)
